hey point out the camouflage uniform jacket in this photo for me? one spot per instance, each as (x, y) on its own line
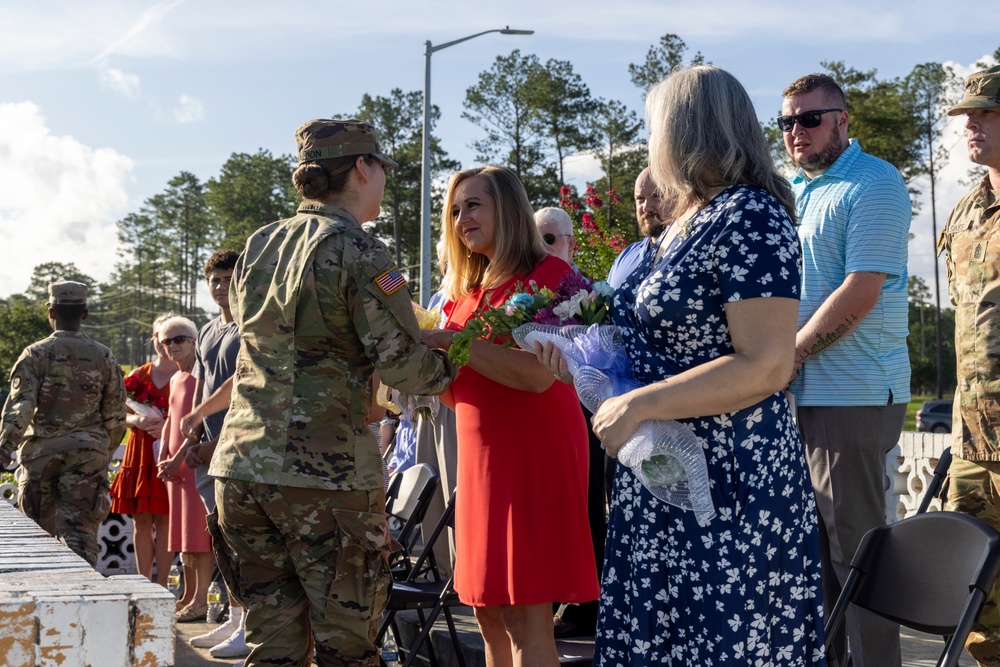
(972, 242)
(66, 392)
(320, 305)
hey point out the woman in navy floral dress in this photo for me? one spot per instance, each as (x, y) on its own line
(710, 319)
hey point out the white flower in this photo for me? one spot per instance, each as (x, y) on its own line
(571, 307)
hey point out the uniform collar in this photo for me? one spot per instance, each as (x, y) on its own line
(329, 210)
(840, 168)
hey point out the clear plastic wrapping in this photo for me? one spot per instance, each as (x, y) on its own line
(665, 455)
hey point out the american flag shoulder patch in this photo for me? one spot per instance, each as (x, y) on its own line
(390, 281)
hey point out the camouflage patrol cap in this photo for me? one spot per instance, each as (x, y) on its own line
(326, 138)
(67, 293)
(982, 91)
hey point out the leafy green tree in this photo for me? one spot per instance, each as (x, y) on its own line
(252, 190)
(503, 104)
(47, 273)
(399, 119)
(923, 359)
(23, 321)
(933, 88)
(883, 117)
(622, 155)
(562, 107)
(182, 213)
(661, 59)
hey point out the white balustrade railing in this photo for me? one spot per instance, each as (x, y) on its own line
(909, 468)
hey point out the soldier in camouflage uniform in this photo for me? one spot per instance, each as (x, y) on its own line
(300, 518)
(972, 243)
(65, 415)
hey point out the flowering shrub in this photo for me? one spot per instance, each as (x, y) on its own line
(597, 243)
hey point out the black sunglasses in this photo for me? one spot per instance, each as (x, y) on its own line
(807, 119)
(550, 239)
(176, 340)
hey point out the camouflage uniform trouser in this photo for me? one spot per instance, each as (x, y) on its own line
(307, 564)
(974, 489)
(66, 493)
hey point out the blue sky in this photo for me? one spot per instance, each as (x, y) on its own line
(102, 102)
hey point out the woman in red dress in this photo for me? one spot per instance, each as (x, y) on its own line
(188, 527)
(137, 491)
(522, 536)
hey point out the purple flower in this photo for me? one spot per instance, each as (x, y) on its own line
(546, 316)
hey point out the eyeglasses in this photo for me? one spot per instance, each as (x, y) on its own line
(550, 239)
(807, 119)
(176, 340)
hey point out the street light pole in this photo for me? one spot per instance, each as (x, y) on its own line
(426, 250)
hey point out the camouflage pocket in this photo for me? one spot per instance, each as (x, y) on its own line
(360, 566)
(221, 552)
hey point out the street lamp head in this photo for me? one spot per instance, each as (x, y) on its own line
(510, 31)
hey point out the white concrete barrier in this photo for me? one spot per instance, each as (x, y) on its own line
(56, 610)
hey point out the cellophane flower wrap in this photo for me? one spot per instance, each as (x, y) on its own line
(575, 300)
(140, 398)
(665, 455)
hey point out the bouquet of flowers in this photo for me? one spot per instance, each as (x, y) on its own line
(664, 454)
(576, 300)
(141, 400)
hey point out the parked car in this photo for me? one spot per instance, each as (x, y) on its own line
(935, 417)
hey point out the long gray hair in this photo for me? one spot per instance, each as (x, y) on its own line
(704, 134)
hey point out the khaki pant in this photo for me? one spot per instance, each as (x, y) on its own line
(974, 489)
(310, 567)
(846, 449)
(66, 493)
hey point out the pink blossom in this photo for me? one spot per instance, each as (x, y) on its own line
(510, 309)
(564, 191)
(587, 222)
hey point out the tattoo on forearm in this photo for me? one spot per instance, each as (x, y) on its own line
(825, 340)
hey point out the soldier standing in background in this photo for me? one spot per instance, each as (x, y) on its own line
(300, 530)
(972, 242)
(65, 415)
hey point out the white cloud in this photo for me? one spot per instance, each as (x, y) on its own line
(188, 110)
(119, 81)
(58, 199)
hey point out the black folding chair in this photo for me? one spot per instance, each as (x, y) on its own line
(931, 572)
(409, 495)
(937, 481)
(422, 592)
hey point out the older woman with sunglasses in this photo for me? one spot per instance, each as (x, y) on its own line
(188, 528)
(709, 319)
(521, 530)
(556, 228)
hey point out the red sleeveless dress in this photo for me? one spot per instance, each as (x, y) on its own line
(521, 529)
(136, 487)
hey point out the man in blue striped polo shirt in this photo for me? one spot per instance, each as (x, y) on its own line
(852, 380)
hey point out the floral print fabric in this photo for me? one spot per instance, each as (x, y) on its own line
(745, 590)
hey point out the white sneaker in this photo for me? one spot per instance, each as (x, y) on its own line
(217, 635)
(234, 647)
